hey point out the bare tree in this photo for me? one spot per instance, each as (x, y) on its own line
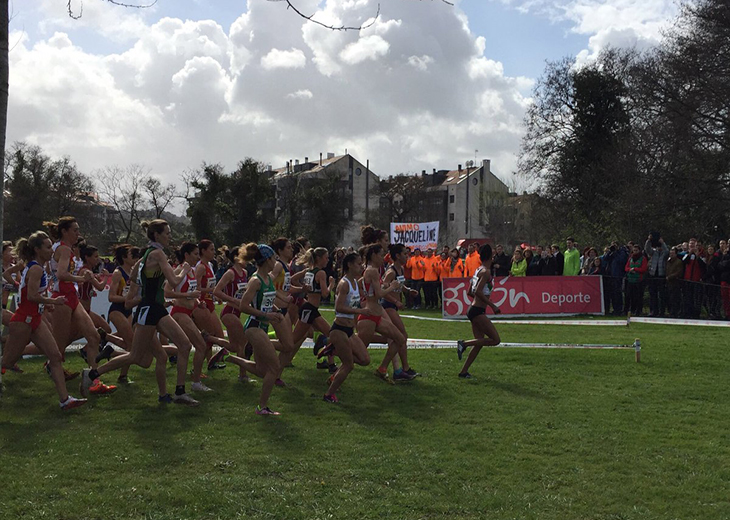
(159, 196)
(123, 188)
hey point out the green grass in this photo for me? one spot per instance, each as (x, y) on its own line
(544, 434)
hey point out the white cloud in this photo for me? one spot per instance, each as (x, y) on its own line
(366, 48)
(420, 62)
(300, 94)
(278, 59)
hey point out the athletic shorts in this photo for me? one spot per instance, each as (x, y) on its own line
(150, 314)
(209, 305)
(72, 298)
(119, 307)
(255, 323)
(308, 313)
(231, 310)
(376, 319)
(176, 309)
(473, 312)
(299, 301)
(347, 330)
(387, 304)
(34, 320)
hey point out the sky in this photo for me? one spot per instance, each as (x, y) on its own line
(427, 85)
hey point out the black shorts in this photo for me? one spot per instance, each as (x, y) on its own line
(150, 314)
(387, 304)
(255, 323)
(347, 330)
(308, 313)
(473, 312)
(119, 307)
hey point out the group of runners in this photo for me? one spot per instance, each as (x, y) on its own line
(58, 272)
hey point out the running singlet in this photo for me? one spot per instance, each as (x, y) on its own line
(487, 290)
(152, 307)
(283, 281)
(122, 290)
(189, 283)
(208, 281)
(310, 279)
(401, 280)
(263, 301)
(29, 312)
(237, 286)
(353, 300)
(59, 286)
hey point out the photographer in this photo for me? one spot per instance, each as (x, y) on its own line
(658, 253)
(694, 269)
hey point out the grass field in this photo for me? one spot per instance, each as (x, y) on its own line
(544, 434)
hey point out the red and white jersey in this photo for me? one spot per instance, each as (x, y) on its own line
(237, 286)
(24, 305)
(208, 280)
(59, 286)
(189, 283)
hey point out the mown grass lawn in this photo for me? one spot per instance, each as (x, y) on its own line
(545, 434)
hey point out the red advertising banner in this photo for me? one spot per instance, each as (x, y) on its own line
(529, 296)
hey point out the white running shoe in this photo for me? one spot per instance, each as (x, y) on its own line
(184, 399)
(71, 403)
(200, 387)
(86, 382)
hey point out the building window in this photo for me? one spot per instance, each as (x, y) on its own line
(451, 217)
(451, 199)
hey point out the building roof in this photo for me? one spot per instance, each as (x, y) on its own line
(457, 176)
(280, 172)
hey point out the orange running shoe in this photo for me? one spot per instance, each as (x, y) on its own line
(99, 388)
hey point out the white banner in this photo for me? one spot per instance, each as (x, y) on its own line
(422, 235)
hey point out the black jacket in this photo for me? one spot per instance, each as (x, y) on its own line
(504, 262)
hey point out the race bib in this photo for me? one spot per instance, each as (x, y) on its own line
(240, 289)
(41, 308)
(125, 291)
(267, 302)
(355, 301)
(309, 279)
(401, 279)
(287, 282)
(474, 282)
(192, 285)
(211, 283)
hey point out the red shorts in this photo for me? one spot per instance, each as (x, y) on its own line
(181, 310)
(376, 319)
(72, 298)
(230, 310)
(34, 320)
(209, 305)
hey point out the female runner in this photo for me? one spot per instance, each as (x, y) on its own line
(151, 316)
(26, 324)
(348, 347)
(230, 289)
(282, 281)
(317, 287)
(258, 303)
(392, 304)
(71, 319)
(377, 321)
(185, 297)
(480, 289)
(205, 316)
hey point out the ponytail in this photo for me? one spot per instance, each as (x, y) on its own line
(55, 229)
(185, 249)
(150, 227)
(25, 247)
(310, 257)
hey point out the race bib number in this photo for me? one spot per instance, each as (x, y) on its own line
(474, 282)
(355, 301)
(240, 289)
(192, 285)
(401, 279)
(287, 282)
(125, 291)
(41, 308)
(211, 283)
(267, 302)
(309, 279)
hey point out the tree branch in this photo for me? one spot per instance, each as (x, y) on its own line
(113, 2)
(310, 18)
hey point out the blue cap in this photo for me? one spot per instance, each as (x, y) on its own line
(266, 251)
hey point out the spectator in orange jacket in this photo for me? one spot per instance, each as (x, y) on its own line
(472, 260)
(431, 278)
(417, 265)
(453, 267)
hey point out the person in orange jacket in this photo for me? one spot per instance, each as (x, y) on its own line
(453, 267)
(417, 265)
(431, 278)
(472, 260)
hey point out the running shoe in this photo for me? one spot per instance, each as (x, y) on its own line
(265, 411)
(323, 365)
(184, 399)
(200, 387)
(319, 344)
(279, 382)
(384, 376)
(465, 375)
(216, 359)
(330, 398)
(245, 379)
(16, 369)
(99, 388)
(202, 376)
(106, 353)
(124, 380)
(164, 399)
(172, 359)
(460, 348)
(412, 372)
(332, 368)
(86, 382)
(71, 402)
(403, 376)
(68, 376)
(326, 351)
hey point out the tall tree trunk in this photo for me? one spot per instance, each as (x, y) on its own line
(4, 76)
